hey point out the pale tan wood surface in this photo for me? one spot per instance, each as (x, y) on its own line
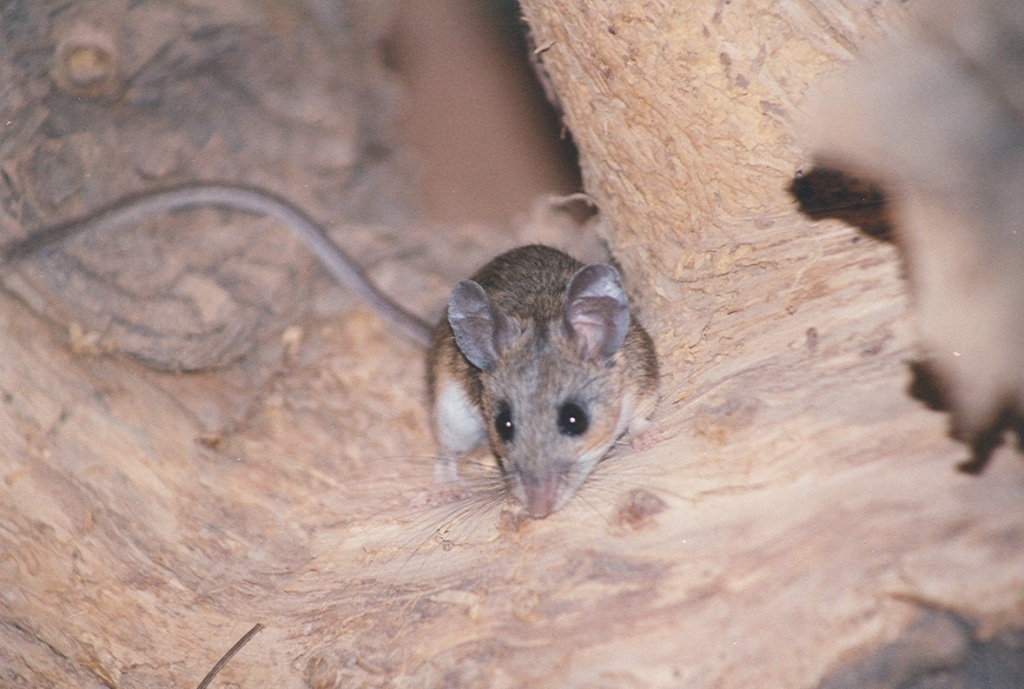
(800, 510)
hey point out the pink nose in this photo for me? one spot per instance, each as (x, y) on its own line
(540, 497)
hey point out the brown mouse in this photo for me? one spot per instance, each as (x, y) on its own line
(538, 355)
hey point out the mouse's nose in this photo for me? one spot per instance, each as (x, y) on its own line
(541, 494)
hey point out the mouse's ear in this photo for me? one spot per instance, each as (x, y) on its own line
(481, 329)
(596, 312)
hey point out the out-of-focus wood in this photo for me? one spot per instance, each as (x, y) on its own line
(484, 138)
(799, 511)
(937, 118)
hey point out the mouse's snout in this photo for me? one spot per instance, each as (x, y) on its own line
(540, 495)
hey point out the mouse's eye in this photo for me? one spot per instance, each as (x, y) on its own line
(573, 419)
(503, 423)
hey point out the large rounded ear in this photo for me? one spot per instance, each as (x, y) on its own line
(481, 329)
(596, 312)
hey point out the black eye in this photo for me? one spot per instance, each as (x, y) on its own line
(573, 419)
(503, 423)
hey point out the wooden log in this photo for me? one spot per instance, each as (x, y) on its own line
(801, 511)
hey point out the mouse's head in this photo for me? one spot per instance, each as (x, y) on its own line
(552, 389)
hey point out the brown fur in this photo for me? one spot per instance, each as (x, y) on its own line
(542, 369)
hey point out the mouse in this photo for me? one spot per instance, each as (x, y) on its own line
(538, 355)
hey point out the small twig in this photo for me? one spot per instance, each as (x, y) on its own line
(227, 656)
(543, 48)
(562, 201)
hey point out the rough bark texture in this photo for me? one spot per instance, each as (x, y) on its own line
(800, 523)
(836, 511)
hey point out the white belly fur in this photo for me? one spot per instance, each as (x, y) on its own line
(457, 422)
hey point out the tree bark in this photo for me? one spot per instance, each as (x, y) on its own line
(799, 524)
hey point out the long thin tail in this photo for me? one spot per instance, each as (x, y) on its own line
(247, 199)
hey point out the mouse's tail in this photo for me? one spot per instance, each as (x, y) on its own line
(247, 199)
